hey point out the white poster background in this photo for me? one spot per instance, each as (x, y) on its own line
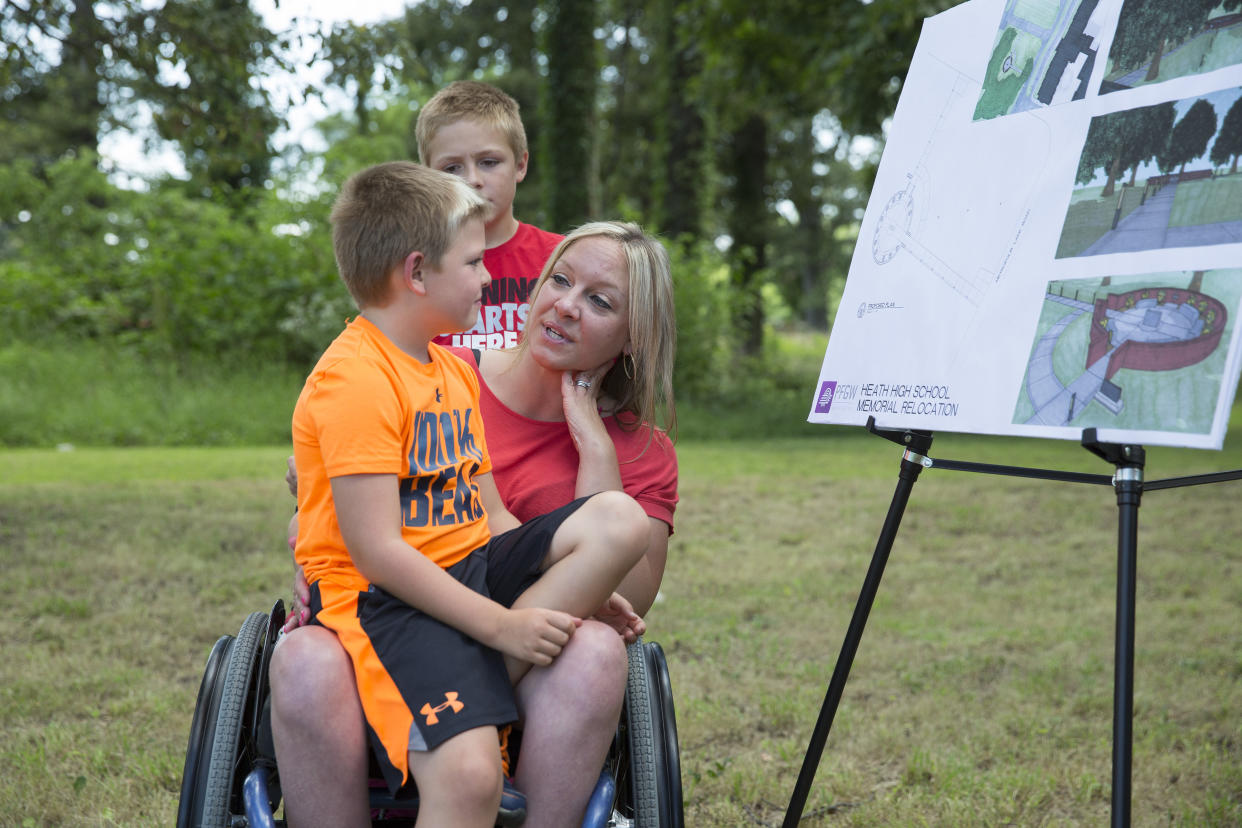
(956, 250)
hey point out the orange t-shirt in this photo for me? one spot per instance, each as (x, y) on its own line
(370, 408)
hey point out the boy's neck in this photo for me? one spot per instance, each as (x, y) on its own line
(402, 332)
(499, 231)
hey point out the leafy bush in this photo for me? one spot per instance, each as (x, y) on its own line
(700, 290)
(170, 274)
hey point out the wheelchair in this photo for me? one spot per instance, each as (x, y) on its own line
(231, 779)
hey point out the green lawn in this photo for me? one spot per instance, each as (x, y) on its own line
(981, 694)
(1207, 201)
(1089, 217)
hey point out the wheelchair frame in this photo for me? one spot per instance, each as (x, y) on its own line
(230, 776)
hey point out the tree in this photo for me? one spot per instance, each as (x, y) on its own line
(754, 66)
(1228, 144)
(72, 69)
(653, 133)
(1190, 135)
(827, 190)
(629, 104)
(357, 54)
(1148, 136)
(1124, 140)
(52, 76)
(681, 125)
(802, 284)
(211, 53)
(1100, 150)
(568, 109)
(770, 66)
(1146, 26)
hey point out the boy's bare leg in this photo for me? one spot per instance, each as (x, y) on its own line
(591, 552)
(570, 711)
(459, 781)
(319, 731)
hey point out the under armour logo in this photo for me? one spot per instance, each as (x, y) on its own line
(438, 395)
(450, 703)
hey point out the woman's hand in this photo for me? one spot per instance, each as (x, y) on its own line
(299, 611)
(597, 454)
(619, 614)
(291, 476)
(580, 401)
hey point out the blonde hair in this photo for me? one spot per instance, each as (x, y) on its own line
(640, 383)
(388, 211)
(476, 101)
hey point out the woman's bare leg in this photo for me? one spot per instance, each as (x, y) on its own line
(319, 731)
(570, 711)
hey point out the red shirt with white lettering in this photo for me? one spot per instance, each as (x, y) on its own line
(514, 267)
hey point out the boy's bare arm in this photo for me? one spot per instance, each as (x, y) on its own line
(369, 512)
(499, 519)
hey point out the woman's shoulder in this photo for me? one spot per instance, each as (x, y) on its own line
(638, 440)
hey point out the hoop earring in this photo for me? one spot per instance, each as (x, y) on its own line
(629, 366)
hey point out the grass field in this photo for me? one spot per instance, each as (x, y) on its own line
(1089, 217)
(101, 394)
(1207, 202)
(981, 694)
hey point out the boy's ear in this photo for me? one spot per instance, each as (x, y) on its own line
(520, 165)
(412, 273)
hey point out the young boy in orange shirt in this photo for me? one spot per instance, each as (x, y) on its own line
(441, 599)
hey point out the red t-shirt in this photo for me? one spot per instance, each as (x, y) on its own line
(535, 462)
(514, 267)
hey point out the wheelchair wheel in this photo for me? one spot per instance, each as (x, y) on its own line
(275, 620)
(216, 783)
(202, 730)
(653, 798)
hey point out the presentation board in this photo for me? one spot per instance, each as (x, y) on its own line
(1054, 238)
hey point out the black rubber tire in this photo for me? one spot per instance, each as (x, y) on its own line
(654, 765)
(202, 733)
(671, 810)
(275, 620)
(223, 787)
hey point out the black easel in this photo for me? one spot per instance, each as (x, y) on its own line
(1128, 483)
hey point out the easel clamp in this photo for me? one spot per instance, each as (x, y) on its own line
(919, 459)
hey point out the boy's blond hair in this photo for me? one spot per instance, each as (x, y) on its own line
(472, 100)
(388, 211)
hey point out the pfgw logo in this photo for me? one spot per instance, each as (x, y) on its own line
(823, 401)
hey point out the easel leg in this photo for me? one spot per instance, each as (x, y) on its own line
(1128, 483)
(911, 465)
(1128, 495)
